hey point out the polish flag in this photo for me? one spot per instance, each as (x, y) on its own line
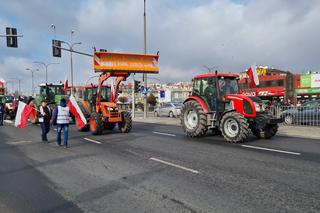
(2, 81)
(76, 111)
(22, 116)
(253, 76)
(66, 85)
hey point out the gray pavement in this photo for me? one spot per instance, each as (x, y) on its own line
(155, 168)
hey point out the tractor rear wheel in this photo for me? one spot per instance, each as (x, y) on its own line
(125, 125)
(96, 125)
(234, 127)
(193, 119)
(267, 132)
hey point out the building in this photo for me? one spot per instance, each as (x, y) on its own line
(274, 84)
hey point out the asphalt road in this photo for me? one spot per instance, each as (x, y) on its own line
(155, 168)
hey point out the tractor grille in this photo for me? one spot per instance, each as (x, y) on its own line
(247, 107)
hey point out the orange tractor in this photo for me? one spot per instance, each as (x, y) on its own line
(106, 113)
(86, 100)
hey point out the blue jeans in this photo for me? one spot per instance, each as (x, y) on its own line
(45, 127)
(65, 128)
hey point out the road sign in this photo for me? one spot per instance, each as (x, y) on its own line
(144, 90)
(162, 94)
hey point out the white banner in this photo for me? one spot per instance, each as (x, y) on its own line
(315, 80)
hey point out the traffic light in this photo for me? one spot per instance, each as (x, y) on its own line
(137, 86)
(11, 34)
(56, 48)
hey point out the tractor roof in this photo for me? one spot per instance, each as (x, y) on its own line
(206, 75)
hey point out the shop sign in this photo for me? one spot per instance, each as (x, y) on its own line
(306, 91)
(305, 80)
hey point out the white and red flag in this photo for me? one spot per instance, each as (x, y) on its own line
(22, 116)
(253, 76)
(2, 81)
(76, 111)
(66, 85)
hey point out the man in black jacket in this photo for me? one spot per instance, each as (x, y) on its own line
(1, 112)
(44, 119)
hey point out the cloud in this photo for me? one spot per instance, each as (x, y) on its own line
(228, 34)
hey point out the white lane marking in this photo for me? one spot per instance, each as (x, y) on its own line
(17, 142)
(162, 133)
(175, 165)
(272, 150)
(8, 121)
(94, 141)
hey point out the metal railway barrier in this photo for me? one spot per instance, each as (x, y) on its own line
(297, 116)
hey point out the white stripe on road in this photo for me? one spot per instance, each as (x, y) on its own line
(88, 139)
(272, 150)
(175, 165)
(167, 134)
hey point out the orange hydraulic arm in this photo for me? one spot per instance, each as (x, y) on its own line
(120, 76)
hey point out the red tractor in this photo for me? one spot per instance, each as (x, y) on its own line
(215, 104)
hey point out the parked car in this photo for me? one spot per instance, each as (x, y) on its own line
(168, 109)
(307, 113)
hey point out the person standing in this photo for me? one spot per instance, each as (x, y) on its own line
(44, 119)
(1, 112)
(61, 118)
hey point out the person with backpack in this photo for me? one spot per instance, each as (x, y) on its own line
(61, 118)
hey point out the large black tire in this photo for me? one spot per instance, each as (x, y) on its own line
(126, 125)
(193, 119)
(267, 132)
(96, 125)
(234, 127)
(109, 126)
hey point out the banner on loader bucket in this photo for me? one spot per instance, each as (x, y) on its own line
(125, 62)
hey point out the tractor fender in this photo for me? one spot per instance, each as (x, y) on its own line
(238, 104)
(200, 101)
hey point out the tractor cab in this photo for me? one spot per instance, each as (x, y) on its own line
(52, 92)
(212, 88)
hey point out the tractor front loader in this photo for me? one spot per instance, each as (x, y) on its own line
(106, 114)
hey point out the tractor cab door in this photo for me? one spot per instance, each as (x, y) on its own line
(205, 88)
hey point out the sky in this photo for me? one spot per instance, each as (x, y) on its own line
(227, 35)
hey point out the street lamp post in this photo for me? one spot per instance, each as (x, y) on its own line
(19, 80)
(46, 67)
(32, 77)
(145, 114)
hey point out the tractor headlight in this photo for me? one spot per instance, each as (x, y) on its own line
(259, 107)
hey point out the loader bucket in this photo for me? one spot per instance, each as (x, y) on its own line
(125, 62)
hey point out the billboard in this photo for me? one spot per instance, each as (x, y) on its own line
(310, 80)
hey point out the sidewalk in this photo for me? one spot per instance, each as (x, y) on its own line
(289, 131)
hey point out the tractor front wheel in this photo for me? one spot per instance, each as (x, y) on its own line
(193, 119)
(125, 125)
(234, 127)
(96, 125)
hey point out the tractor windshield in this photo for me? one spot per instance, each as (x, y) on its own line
(51, 90)
(228, 86)
(91, 93)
